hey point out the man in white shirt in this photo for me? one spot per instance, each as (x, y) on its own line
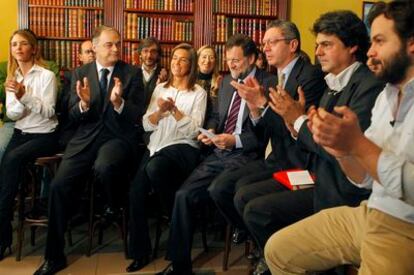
(377, 235)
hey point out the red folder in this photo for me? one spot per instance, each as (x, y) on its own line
(283, 178)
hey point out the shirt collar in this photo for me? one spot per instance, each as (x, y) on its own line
(99, 67)
(288, 69)
(338, 82)
(251, 74)
(34, 68)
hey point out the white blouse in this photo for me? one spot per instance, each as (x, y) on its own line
(168, 131)
(34, 112)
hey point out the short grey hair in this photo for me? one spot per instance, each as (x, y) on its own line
(289, 30)
(99, 30)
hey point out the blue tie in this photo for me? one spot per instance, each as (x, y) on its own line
(103, 81)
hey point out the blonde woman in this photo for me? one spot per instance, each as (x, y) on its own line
(30, 101)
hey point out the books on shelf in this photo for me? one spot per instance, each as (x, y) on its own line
(246, 7)
(79, 3)
(225, 27)
(64, 23)
(65, 53)
(160, 5)
(164, 28)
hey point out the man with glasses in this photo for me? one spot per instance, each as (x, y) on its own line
(234, 142)
(341, 46)
(281, 44)
(107, 101)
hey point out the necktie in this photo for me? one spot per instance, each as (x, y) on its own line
(332, 99)
(233, 114)
(103, 81)
(281, 79)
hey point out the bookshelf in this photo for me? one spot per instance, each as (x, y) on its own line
(63, 24)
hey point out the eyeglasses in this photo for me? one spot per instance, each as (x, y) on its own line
(273, 42)
(88, 52)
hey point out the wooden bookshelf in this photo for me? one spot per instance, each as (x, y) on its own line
(62, 25)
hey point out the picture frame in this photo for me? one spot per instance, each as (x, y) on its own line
(366, 7)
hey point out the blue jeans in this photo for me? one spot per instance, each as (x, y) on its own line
(6, 132)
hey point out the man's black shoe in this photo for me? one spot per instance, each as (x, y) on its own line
(176, 269)
(3, 250)
(239, 236)
(138, 264)
(50, 267)
(109, 216)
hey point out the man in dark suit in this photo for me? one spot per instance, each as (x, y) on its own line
(235, 145)
(107, 100)
(282, 48)
(342, 43)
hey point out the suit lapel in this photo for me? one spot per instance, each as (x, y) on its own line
(94, 85)
(229, 90)
(292, 82)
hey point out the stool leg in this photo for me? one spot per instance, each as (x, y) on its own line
(125, 231)
(91, 223)
(157, 237)
(20, 231)
(227, 247)
(33, 235)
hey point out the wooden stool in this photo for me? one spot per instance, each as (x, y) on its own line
(227, 246)
(29, 189)
(95, 221)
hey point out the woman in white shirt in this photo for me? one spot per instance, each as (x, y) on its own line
(175, 113)
(30, 100)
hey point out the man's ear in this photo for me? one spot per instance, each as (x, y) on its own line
(410, 46)
(353, 49)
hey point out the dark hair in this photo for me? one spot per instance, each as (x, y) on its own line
(401, 12)
(243, 41)
(289, 30)
(347, 26)
(262, 54)
(148, 42)
(193, 66)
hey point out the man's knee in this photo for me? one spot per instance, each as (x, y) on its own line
(273, 253)
(217, 189)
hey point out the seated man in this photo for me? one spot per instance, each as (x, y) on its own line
(107, 100)
(267, 206)
(378, 234)
(236, 144)
(281, 43)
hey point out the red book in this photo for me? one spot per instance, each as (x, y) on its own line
(283, 178)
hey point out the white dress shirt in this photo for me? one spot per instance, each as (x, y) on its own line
(394, 194)
(168, 131)
(34, 112)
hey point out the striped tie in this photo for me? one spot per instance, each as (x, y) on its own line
(233, 114)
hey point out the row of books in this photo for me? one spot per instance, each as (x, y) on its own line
(227, 26)
(167, 5)
(243, 7)
(73, 23)
(80, 3)
(131, 55)
(221, 53)
(65, 53)
(164, 28)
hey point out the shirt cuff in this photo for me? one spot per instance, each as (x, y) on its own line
(238, 142)
(299, 122)
(389, 169)
(121, 107)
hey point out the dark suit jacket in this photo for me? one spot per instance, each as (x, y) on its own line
(332, 186)
(217, 121)
(101, 114)
(285, 153)
(150, 85)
